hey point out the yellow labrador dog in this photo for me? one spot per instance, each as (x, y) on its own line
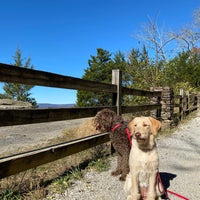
(143, 160)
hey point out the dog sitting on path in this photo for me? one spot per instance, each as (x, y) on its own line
(107, 120)
(143, 161)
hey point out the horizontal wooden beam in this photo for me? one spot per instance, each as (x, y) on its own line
(136, 92)
(14, 74)
(10, 117)
(14, 164)
(139, 108)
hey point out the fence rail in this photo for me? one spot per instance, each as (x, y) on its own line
(30, 116)
(11, 165)
(185, 105)
(27, 160)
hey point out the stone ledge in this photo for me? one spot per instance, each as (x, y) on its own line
(11, 104)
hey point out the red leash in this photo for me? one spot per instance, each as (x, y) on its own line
(167, 191)
(178, 195)
(127, 132)
(158, 175)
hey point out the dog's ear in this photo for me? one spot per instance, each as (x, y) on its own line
(156, 125)
(131, 127)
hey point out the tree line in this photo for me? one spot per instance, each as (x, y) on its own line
(162, 58)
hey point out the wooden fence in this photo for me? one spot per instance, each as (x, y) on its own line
(13, 164)
(16, 163)
(185, 104)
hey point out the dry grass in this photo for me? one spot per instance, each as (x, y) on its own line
(35, 183)
(86, 128)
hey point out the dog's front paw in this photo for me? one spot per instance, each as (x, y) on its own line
(134, 197)
(151, 197)
(116, 173)
(129, 197)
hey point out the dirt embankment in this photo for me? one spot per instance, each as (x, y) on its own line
(15, 139)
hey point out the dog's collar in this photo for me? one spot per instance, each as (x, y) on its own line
(115, 127)
(127, 132)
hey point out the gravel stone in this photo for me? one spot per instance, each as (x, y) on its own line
(179, 159)
(179, 156)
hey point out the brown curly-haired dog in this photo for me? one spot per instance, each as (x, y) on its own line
(107, 120)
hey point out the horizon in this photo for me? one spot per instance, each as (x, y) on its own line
(52, 105)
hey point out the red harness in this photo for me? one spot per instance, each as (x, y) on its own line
(127, 132)
(158, 175)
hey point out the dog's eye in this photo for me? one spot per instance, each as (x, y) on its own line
(145, 125)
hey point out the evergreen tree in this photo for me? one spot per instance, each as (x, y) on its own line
(139, 68)
(100, 69)
(2, 96)
(17, 91)
(143, 74)
(121, 63)
(183, 71)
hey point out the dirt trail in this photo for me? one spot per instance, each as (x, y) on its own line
(180, 159)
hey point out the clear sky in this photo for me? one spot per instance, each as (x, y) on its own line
(60, 35)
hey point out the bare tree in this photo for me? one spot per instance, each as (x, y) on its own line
(196, 16)
(189, 36)
(155, 38)
(164, 44)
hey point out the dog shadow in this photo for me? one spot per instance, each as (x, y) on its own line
(166, 178)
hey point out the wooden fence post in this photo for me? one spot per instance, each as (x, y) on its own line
(156, 114)
(158, 111)
(117, 97)
(187, 102)
(195, 104)
(181, 105)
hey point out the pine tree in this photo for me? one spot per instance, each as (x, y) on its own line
(100, 69)
(17, 91)
(183, 71)
(142, 74)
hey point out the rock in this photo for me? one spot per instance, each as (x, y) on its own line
(11, 104)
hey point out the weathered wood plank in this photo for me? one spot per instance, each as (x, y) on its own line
(24, 161)
(117, 80)
(13, 74)
(30, 116)
(10, 117)
(130, 91)
(139, 108)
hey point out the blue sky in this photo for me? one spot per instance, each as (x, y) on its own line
(60, 35)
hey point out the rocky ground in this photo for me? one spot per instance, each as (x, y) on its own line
(179, 160)
(179, 167)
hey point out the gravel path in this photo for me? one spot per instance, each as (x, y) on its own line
(179, 166)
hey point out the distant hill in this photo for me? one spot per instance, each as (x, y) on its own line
(49, 105)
